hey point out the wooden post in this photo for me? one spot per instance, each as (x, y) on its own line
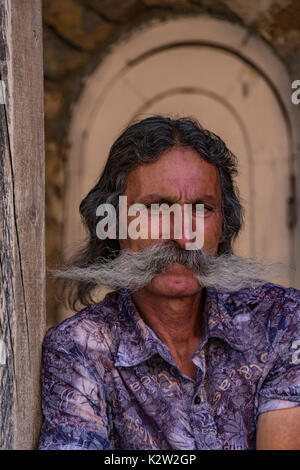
(22, 250)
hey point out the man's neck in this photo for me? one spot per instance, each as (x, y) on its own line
(177, 323)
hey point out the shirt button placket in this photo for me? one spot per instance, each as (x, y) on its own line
(200, 409)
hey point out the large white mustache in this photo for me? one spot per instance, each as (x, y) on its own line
(134, 270)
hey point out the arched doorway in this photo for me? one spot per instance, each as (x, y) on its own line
(231, 82)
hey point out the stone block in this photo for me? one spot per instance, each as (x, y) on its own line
(59, 57)
(281, 27)
(249, 11)
(53, 101)
(115, 10)
(80, 26)
(173, 4)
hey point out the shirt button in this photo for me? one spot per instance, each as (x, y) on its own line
(197, 400)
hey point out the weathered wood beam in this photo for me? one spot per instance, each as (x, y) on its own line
(22, 240)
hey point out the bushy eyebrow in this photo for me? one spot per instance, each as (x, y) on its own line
(159, 198)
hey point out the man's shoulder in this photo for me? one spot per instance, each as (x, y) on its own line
(268, 292)
(279, 305)
(270, 288)
(95, 326)
(265, 315)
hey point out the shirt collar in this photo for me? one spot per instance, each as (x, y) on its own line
(228, 316)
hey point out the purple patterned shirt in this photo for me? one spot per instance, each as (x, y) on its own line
(108, 382)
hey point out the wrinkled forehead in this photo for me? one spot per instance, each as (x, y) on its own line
(179, 175)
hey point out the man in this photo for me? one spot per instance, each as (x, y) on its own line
(190, 350)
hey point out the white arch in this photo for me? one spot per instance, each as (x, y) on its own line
(121, 83)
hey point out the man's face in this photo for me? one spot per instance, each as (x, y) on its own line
(179, 176)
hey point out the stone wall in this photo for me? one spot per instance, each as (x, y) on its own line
(77, 35)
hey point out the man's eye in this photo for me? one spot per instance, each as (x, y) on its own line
(153, 207)
(202, 209)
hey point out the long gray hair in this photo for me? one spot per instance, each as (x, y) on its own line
(141, 143)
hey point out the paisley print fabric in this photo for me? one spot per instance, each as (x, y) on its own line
(108, 382)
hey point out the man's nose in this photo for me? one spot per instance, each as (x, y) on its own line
(181, 229)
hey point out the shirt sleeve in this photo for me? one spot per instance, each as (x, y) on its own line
(73, 398)
(281, 388)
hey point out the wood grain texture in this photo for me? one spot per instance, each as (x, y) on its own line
(7, 365)
(22, 189)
